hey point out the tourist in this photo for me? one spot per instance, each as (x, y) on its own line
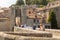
(42, 28)
(25, 26)
(34, 27)
(38, 26)
(22, 26)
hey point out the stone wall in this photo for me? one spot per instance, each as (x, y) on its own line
(7, 20)
(57, 11)
(56, 33)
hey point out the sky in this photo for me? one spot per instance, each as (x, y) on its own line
(7, 3)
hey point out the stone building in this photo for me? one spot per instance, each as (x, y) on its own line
(6, 19)
(30, 14)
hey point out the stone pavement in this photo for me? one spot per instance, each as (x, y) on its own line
(4, 36)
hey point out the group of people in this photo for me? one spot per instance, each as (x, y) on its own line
(41, 27)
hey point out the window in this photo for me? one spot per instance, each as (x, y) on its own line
(53, 4)
(44, 11)
(35, 16)
(57, 3)
(29, 12)
(49, 5)
(16, 13)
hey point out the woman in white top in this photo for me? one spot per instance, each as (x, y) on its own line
(42, 28)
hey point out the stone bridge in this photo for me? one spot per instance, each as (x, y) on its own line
(51, 5)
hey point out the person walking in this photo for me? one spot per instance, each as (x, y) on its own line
(43, 27)
(34, 27)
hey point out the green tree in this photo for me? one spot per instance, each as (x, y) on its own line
(28, 2)
(20, 2)
(37, 2)
(52, 19)
(50, 0)
(44, 2)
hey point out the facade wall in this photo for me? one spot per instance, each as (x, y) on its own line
(6, 20)
(57, 11)
(28, 15)
(31, 13)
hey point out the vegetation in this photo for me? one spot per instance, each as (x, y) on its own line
(52, 20)
(19, 2)
(50, 0)
(37, 2)
(44, 2)
(40, 6)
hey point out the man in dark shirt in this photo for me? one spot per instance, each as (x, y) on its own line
(34, 27)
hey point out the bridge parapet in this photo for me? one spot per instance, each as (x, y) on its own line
(52, 5)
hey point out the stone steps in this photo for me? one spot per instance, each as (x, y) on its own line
(36, 38)
(56, 33)
(4, 36)
(32, 34)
